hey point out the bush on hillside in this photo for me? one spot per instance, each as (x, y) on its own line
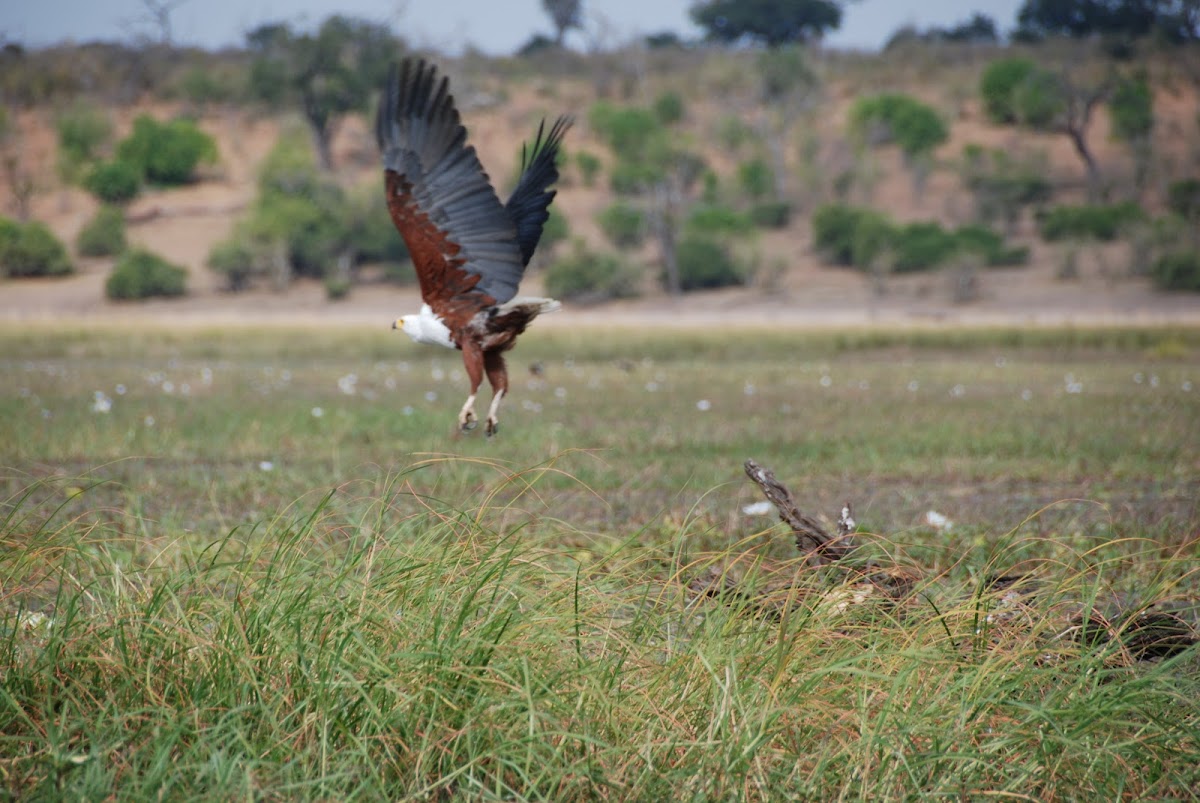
(237, 259)
(591, 277)
(836, 231)
(1088, 221)
(623, 224)
(998, 86)
(921, 246)
(589, 167)
(1179, 270)
(1039, 99)
(705, 264)
(114, 182)
(872, 238)
(912, 125)
(104, 234)
(299, 205)
(30, 249)
(166, 153)
(370, 233)
(990, 246)
(771, 214)
(756, 179)
(716, 219)
(140, 274)
(554, 231)
(855, 236)
(1001, 187)
(1183, 198)
(82, 131)
(669, 108)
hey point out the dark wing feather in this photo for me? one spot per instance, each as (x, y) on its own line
(462, 241)
(530, 201)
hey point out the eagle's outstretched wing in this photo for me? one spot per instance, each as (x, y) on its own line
(530, 201)
(463, 242)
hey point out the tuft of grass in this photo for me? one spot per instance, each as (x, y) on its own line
(259, 563)
(402, 647)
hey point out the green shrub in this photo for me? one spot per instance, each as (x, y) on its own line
(733, 132)
(712, 219)
(311, 214)
(998, 86)
(10, 230)
(912, 125)
(631, 178)
(589, 167)
(771, 214)
(668, 107)
(31, 249)
(990, 246)
(337, 287)
(872, 236)
(314, 232)
(82, 131)
(836, 230)
(628, 130)
(104, 235)
(1131, 109)
(166, 153)
(1183, 198)
(591, 277)
(554, 231)
(1088, 221)
(1038, 100)
(114, 182)
(704, 264)
(201, 85)
(623, 224)
(1179, 270)
(140, 274)
(237, 259)
(921, 246)
(370, 231)
(756, 178)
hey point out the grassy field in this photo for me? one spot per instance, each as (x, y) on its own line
(262, 564)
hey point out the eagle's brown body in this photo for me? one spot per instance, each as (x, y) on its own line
(468, 250)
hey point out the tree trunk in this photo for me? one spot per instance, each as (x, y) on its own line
(1078, 137)
(321, 124)
(323, 142)
(663, 214)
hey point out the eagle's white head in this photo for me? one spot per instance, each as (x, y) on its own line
(425, 327)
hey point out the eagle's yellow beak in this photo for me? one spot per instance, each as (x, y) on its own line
(396, 324)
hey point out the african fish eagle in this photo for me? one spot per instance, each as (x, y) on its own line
(469, 251)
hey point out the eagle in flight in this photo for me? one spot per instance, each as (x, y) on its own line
(468, 249)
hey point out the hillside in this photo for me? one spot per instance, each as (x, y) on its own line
(501, 102)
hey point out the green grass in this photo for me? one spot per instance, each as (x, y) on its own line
(216, 593)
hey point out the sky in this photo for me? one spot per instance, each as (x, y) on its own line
(496, 27)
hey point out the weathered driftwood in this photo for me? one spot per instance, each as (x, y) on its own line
(816, 544)
(767, 586)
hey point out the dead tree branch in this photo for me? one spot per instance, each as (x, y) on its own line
(814, 542)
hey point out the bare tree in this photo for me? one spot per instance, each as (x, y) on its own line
(565, 14)
(157, 14)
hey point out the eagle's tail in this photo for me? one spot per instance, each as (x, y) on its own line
(530, 305)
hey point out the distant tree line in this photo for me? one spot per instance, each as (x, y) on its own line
(1173, 20)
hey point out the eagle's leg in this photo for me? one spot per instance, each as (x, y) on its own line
(473, 362)
(497, 375)
(466, 416)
